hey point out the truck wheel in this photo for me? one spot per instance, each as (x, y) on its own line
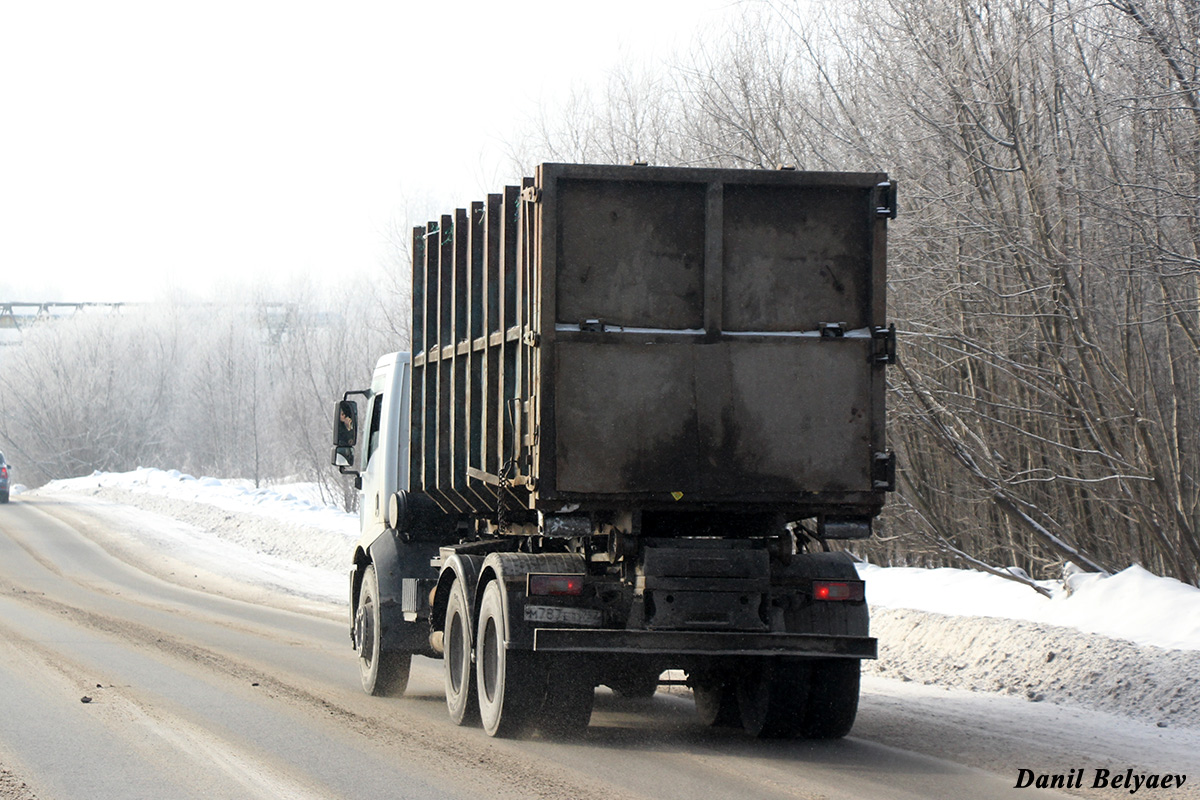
(459, 671)
(832, 698)
(384, 673)
(771, 697)
(508, 685)
(717, 704)
(570, 694)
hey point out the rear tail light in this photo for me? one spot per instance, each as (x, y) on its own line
(838, 590)
(560, 585)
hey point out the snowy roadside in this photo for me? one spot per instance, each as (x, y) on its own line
(280, 539)
(1128, 644)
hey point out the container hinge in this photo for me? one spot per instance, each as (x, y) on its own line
(531, 194)
(884, 351)
(883, 472)
(532, 338)
(885, 199)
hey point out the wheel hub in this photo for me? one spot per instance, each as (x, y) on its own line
(363, 632)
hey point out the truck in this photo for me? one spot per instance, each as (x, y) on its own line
(640, 403)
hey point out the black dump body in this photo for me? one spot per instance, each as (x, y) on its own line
(662, 340)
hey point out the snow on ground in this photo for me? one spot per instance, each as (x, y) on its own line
(282, 537)
(1126, 644)
(1133, 604)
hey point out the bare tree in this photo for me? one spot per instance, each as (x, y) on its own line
(236, 390)
(1044, 269)
(88, 392)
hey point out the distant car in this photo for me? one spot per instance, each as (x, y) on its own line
(3, 479)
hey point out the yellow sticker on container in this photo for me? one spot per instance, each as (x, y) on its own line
(677, 495)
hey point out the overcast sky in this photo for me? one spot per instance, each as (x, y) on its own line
(159, 144)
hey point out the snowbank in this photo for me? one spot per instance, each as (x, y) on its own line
(281, 538)
(1038, 662)
(1133, 604)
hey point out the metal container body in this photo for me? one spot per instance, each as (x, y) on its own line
(659, 339)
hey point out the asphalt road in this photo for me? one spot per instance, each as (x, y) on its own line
(117, 680)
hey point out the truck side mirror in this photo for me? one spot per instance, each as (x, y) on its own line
(345, 424)
(345, 433)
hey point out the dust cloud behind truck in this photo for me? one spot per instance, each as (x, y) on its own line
(640, 402)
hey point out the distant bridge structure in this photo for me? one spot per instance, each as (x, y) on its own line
(17, 316)
(275, 320)
(20, 315)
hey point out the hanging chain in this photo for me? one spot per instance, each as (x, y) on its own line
(506, 473)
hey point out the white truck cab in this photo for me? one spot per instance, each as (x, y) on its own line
(384, 621)
(385, 469)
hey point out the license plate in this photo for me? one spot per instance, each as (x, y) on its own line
(569, 616)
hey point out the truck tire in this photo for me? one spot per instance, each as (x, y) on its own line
(772, 695)
(459, 671)
(832, 698)
(384, 673)
(509, 687)
(717, 704)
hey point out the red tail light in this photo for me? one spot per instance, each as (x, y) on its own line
(838, 590)
(563, 585)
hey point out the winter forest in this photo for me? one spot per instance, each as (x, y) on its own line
(233, 389)
(1044, 276)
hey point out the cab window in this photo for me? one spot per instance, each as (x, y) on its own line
(373, 430)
